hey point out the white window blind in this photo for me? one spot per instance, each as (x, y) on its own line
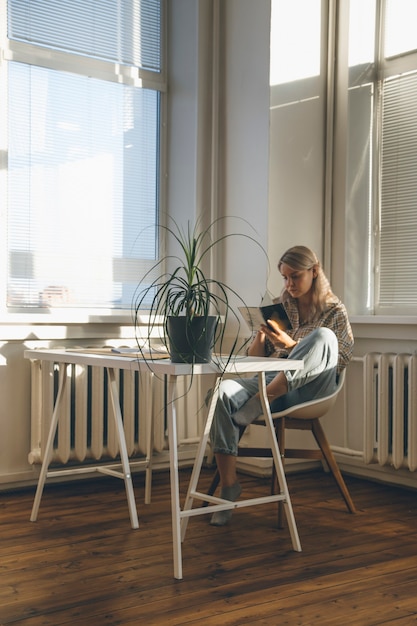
(83, 166)
(381, 183)
(123, 31)
(398, 246)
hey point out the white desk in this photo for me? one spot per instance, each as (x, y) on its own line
(180, 517)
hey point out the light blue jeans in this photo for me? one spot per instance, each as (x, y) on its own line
(319, 351)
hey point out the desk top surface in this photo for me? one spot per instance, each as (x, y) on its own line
(101, 358)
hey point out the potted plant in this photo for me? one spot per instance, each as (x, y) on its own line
(192, 309)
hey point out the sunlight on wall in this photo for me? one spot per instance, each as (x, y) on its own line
(361, 32)
(3, 360)
(400, 31)
(295, 40)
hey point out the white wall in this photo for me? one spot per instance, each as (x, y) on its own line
(182, 58)
(229, 119)
(296, 173)
(246, 140)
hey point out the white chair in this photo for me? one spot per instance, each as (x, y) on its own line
(305, 416)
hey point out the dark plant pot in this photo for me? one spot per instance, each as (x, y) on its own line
(191, 340)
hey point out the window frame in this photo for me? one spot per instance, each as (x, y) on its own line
(35, 55)
(372, 73)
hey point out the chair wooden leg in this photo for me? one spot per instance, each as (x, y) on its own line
(321, 439)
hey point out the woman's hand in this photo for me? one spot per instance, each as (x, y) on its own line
(277, 336)
(257, 347)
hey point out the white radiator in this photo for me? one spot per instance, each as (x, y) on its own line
(390, 399)
(86, 430)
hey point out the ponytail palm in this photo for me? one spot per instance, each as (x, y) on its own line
(186, 290)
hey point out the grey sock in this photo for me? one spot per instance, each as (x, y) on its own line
(248, 412)
(220, 518)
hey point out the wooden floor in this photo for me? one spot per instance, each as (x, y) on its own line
(81, 564)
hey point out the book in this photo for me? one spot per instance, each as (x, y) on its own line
(159, 353)
(255, 316)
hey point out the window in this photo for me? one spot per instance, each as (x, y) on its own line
(381, 202)
(84, 81)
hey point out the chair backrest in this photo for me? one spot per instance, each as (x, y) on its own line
(314, 408)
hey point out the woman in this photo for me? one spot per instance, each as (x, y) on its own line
(320, 335)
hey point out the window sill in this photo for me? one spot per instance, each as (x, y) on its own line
(383, 319)
(384, 327)
(67, 324)
(70, 317)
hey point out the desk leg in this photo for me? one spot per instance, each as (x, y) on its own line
(49, 442)
(149, 441)
(200, 456)
(282, 481)
(175, 487)
(123, 449)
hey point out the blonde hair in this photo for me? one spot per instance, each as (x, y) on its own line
(302, 258)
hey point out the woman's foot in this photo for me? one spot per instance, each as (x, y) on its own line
(220, 518)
